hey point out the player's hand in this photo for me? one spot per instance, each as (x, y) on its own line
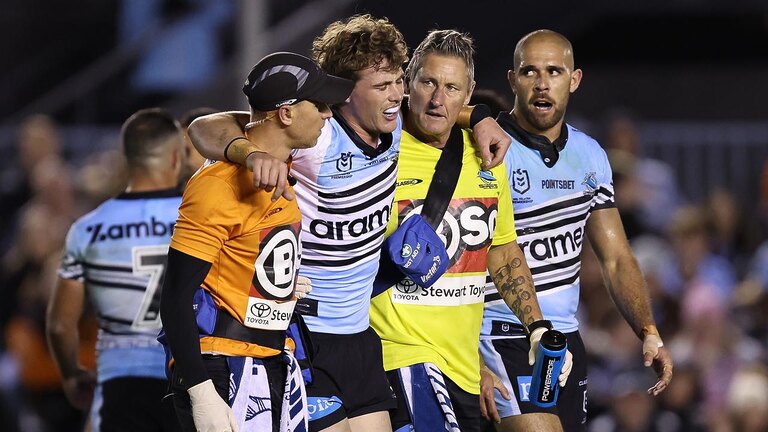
(492, 142)
(209, 411)
(303, 287)
(269, 173)
(488, 382)
(79, 388)
(654, 354)
(535, 337)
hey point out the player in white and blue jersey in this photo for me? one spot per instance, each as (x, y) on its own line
(116, 255)
(345, 188)
(562, 194)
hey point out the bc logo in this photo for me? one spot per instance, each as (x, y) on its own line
(276, 264)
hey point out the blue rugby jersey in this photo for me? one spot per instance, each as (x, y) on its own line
(553, 194)
(119, 251)
(345, 191)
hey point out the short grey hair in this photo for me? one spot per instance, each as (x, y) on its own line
(448, 43)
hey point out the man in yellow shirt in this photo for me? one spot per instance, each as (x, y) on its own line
(430, 332)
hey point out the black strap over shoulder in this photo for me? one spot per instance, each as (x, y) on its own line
(447, 171)
(444, 181)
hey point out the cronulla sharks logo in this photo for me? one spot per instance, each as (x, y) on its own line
(590, 183)
(488, 180)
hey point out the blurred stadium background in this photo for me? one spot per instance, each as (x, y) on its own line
(675, 90)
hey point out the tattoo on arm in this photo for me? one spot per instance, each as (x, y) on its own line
(516, 289)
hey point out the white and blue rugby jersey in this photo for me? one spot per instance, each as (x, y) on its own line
(119, 251)
(555, 187)
(345, 190)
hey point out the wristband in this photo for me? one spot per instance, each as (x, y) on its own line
(226, 149)
(538, 324)
(479, 113)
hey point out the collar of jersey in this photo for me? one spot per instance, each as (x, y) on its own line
(548, 150)
(384, 144)
(162, 193)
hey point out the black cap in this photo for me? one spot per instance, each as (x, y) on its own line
(284, 78)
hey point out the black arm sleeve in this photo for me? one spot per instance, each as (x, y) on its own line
(183, 276)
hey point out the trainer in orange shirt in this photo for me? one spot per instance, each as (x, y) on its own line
(229, 289)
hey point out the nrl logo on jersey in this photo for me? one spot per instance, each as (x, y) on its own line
(590, 181)
(521, 182)
(489, 181)
(344, 162)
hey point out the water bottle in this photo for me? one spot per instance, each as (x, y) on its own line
(549, 361)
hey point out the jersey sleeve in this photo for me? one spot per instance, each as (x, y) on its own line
(505, 219)
(208, 217)
(603, 197)
(71, 266)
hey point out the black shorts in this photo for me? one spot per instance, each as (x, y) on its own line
(508, 358)
(218, 370)
(134, 404)
(348, 378)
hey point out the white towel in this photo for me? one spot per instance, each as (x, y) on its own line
(250, 400)
(427, 399)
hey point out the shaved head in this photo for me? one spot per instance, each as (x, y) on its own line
(544, 37)
(543, 77)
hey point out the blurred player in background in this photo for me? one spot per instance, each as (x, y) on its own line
(116, 255)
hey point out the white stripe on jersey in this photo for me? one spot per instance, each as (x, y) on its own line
(345, 194)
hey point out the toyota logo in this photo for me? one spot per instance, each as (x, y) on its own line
(407, 286)
(261, 310)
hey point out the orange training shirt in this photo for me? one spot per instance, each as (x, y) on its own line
(253, 246)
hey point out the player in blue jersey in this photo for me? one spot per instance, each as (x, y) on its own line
(116, 256)
(345, 187)
(562, 193)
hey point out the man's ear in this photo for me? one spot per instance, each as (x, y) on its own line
(511, 79)
(469, 93)
(285, 114)
(575, 80)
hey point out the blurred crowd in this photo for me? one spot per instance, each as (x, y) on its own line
(705, 263)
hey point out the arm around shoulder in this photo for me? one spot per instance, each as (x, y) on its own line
(210, 134)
